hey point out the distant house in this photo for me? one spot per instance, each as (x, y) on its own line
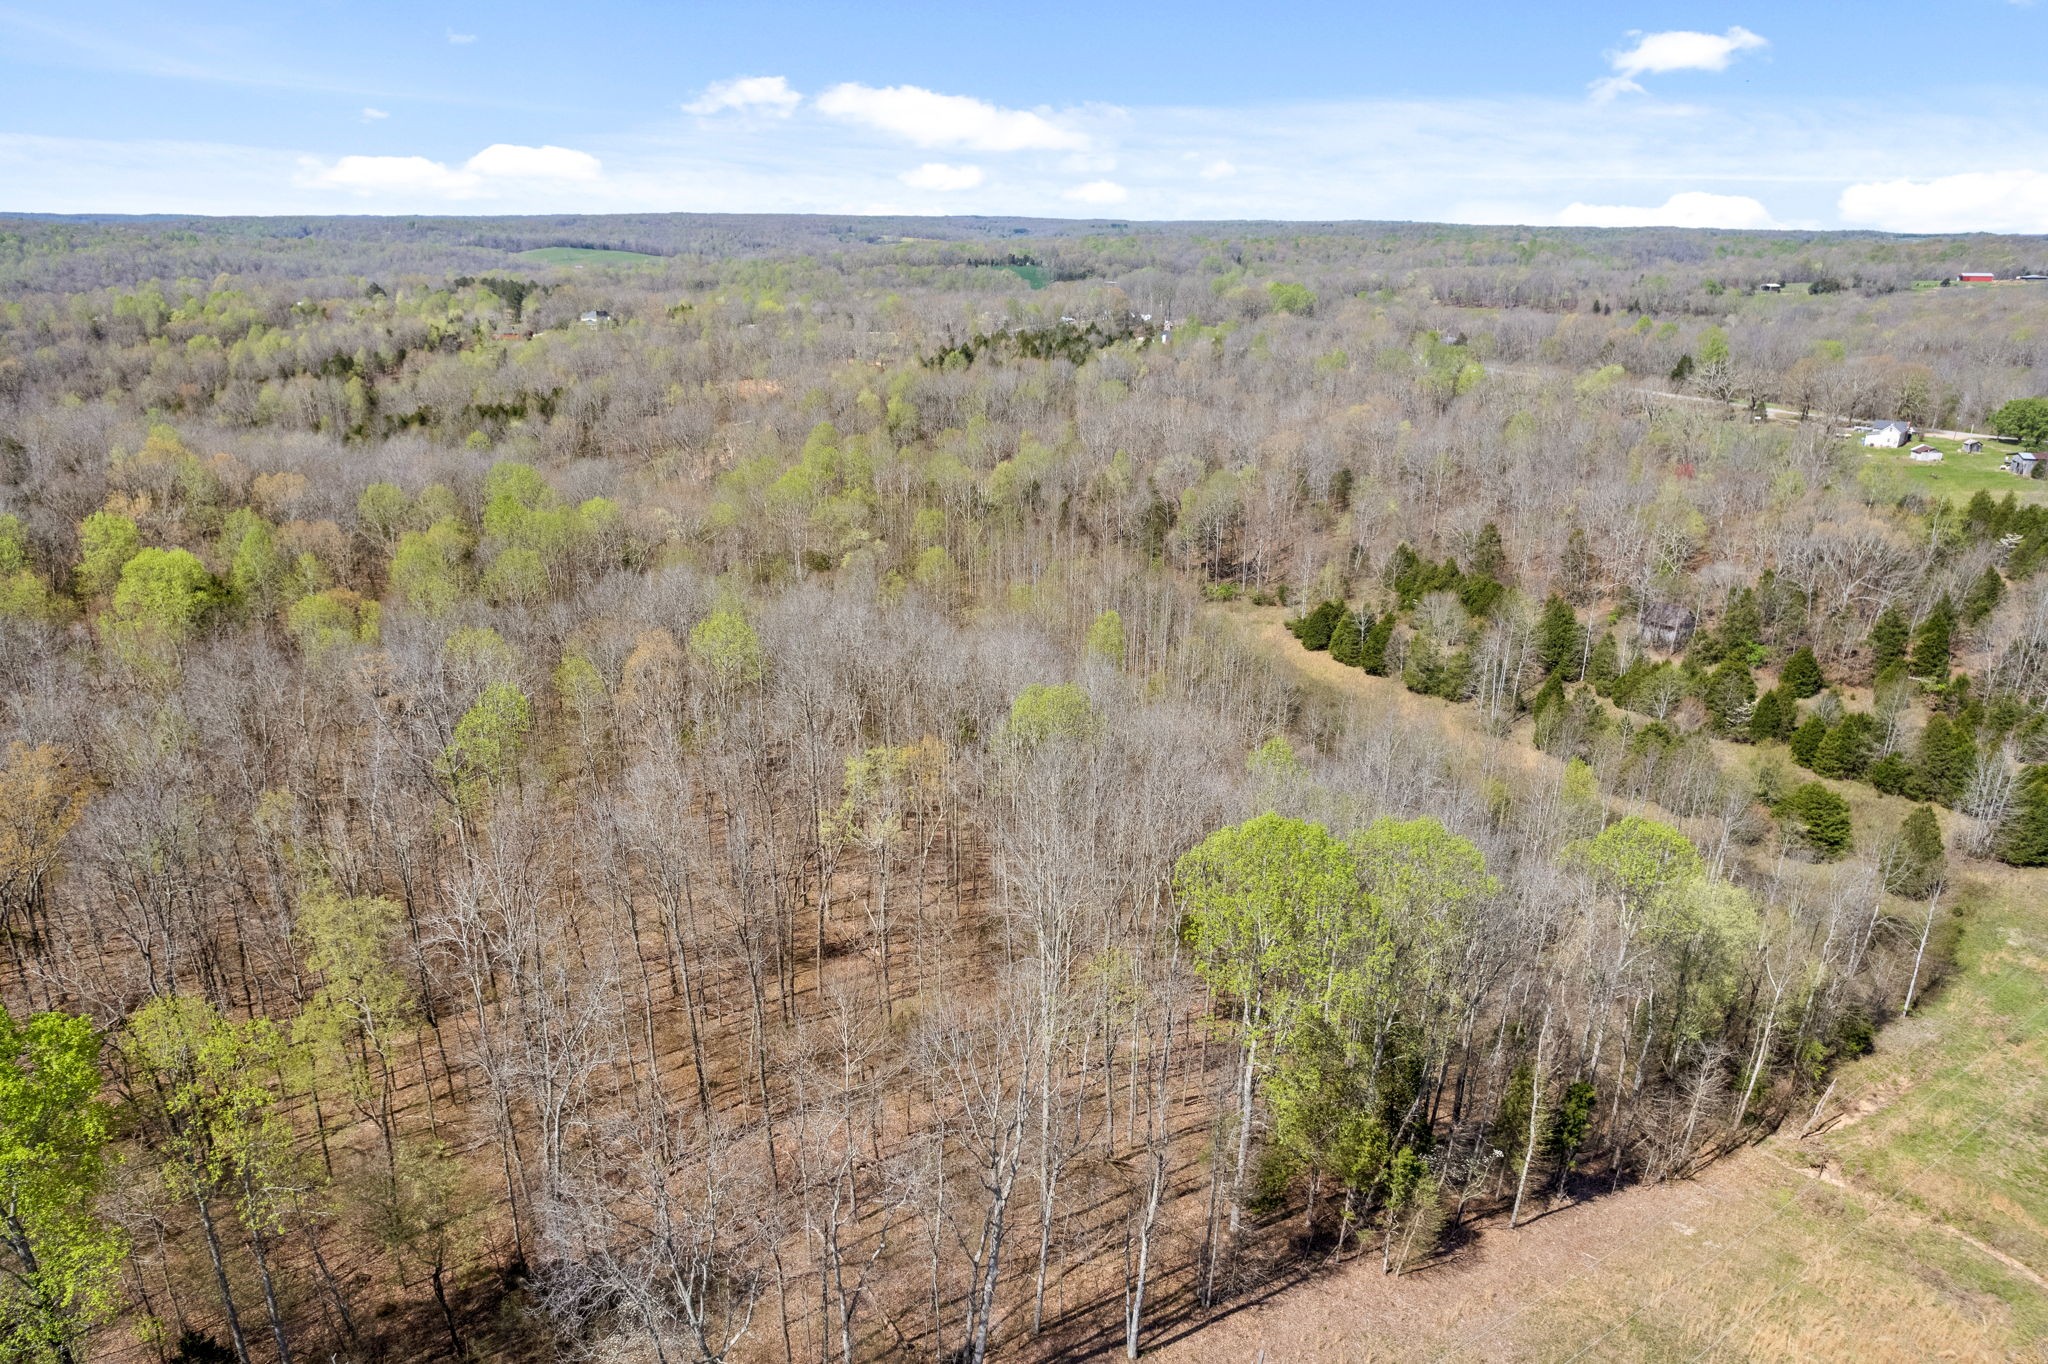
(1667, 626)
(597, 317)
(1770, 288)
(2034, 278)
(512, 331)
(1976, 277)
(1924, 454)
(1973, 446)
(1889, 435)
(2021, 464)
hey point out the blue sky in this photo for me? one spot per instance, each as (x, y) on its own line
(1857, 113)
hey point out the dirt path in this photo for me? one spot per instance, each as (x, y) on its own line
(1484, 1301)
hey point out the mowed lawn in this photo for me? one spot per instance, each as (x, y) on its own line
(585, 255)
(1957, 475)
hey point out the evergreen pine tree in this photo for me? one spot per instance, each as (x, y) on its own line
(1980, 513)
(1372, 651)
(1741, 624)
(1889, 639)
(1985, 594)
(1931, 643)
(2023, 838)
(1557, 636)
(1317, 625)
(1604, 667)
(1807, 739)
(1770, 719)
(1801, 676)
(1818, 818)
(1729, 690)
(1947, 757)
(1845, 753)
(1489, 558)
(1895, 776)
(1348, 638)
(1914, 863)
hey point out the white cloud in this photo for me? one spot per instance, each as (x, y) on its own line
(1218, 170)
(1097, 192)
(461, 39)
(1676, 50)
(374, 115)
(929, 119)
(497, 167)
(752, 94)
(1974, 201)
(505, 160)
(940, 176)
(1689, 209)
(383, 174)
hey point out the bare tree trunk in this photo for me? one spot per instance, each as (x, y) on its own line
(1535, 1114)
(1920, 954)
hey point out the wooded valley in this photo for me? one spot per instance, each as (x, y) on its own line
(744, 803)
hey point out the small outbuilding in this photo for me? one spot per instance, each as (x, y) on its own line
(1924, 454)
(1667, 626)
(2022, 464)
(1890, 435)
(1973, 446)
(1976, 277)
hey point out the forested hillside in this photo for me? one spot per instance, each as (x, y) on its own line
(750, 804)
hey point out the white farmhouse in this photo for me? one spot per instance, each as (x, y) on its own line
(1889, 435)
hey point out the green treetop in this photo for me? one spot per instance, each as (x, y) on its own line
(1106, 639)
(60, 1261)
(167, 590)
(106, 542)
(2024, 420)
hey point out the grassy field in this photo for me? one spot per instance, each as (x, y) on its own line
(1957, 476)
(1033, 275)
(580, 256)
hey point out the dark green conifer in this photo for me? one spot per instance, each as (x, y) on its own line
(1985, 594)
(1603, 668)
(1890, 637)
(1807, 739)
(1372, 650)
(2023, 838)
(1557, 636)
(1801, 676)
(1819, 818)
(1932, 641)
(1913, 863)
